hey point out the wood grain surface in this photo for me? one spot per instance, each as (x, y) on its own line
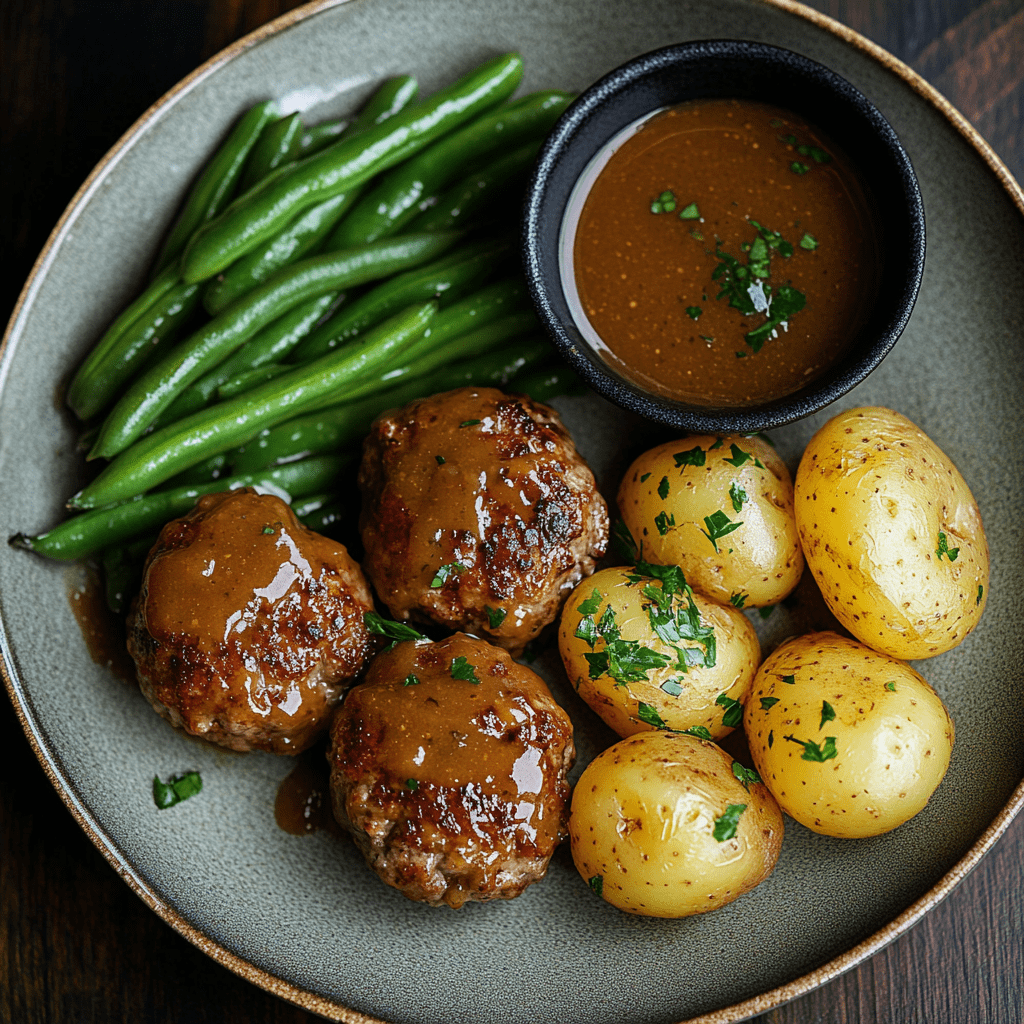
(75, 944)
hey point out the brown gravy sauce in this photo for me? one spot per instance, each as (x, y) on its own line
(102, 630)
(303, 801)
(644, 273)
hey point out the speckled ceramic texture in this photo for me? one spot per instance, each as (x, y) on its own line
(303, 916)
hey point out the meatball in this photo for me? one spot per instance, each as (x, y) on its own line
(248, 626)
(448, 766)
(478, 514)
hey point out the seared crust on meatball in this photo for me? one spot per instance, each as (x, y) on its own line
(478, 514)
(449, 767)
(248, 626)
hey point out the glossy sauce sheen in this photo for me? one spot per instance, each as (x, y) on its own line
(249, 625)
(490, 486)
(638, 272)
(454, 789)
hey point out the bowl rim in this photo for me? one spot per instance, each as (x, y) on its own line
(540, 214)
(49, 760)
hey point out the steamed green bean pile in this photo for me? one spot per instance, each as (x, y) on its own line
(314, 277)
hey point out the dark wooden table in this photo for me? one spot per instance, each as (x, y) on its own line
(75, 944)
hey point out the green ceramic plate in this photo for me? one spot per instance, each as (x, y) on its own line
(303, 916)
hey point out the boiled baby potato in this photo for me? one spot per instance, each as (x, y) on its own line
(851, 742)
(645, 652)
(667, 825)
(892, 534)
(720, 507)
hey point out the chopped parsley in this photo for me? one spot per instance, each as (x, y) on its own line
(739, 457)
(268, 529)
(644, 478)
(394, 631)
(814, 752)
(439, 459)
(788, 679)
(981, 592)
(699, 731)
(733, 710)
(442, 575)
(808, 242)
(693, 312)
(828, 714)
(469, 423)
(625, 546)
(771, 738)
(596, 883)
(412, 784)
(944, 549)
(663, 488)
(766, 611)
(689, 212)
(673, 617)
(665, 203)
(726, 825)
(737, 495)
(891, 686)
(767, 703)
(691, 457)
(592, 603)
(738, 600)
(495, 616)
(745, 775)
(463, 669)
(411, 680)
(649, 713)
(718, 526)
(797, 167)
(175, 789)
(671, 687)
(664, 522)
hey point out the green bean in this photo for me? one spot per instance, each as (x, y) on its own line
(217, 182)
(158, 386)
(309, 228)
(242, 382)
(482, 190)
(335, 426)
(269, 346)
(302, 236)
(166, 452)
(92, 531)
(396, 199)
(151, 334)
(306, 506)
(161, 284)
(215, 467)
(550, 382)
(348, 163)
(278, 143)
(448, 278)
(326, 518)
(320, 135)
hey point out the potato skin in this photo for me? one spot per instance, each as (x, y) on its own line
(690, 697)
(873, 494)
(642, 826)
(892, 734)
(664, 499)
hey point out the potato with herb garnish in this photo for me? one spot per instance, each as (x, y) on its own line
(851, 742)
(645, 652)
(892, 533)
(667, 825)
(720, 507)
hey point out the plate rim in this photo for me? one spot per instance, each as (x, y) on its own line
(264, 979)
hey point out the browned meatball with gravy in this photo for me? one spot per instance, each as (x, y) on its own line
(478, 514)
(448, 766)
(248, 626)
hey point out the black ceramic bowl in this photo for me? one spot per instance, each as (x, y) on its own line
(738, 70)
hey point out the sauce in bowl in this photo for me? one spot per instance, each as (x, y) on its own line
(722, 253)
